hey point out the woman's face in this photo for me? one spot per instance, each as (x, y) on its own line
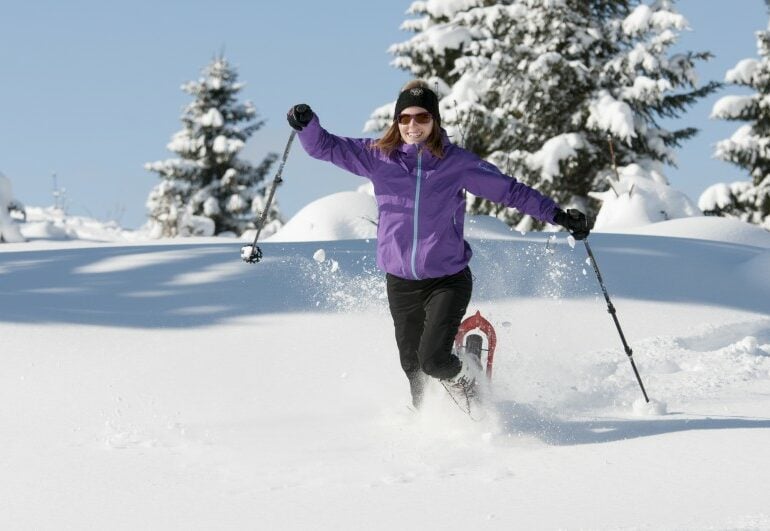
(415, 125)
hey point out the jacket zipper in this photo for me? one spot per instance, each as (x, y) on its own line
(416, 215)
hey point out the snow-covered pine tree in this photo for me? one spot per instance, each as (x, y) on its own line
(749, 146)
(209, 189)
(639, 82)
(536, 86)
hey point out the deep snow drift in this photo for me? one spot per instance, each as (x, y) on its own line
(171, 386)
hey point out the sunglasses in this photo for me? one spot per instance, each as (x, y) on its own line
(421, 118)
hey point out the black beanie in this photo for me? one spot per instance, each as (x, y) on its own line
(418, 97)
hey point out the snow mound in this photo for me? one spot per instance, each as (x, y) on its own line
(640, 198)
(340, 216)
(649, 409)
(53, 224)
(712, 228)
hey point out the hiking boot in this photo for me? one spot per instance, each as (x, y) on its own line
(463, 387)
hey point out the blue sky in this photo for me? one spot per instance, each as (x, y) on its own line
(91, 91)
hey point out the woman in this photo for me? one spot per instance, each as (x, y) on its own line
(419, 180)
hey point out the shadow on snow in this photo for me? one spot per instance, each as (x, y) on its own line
(169, 285)
(182, 285)
(520, 419)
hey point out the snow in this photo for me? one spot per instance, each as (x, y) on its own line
(169, 385)
(640, 197)
(652, 408)
(728, 107)
(743, 72)
(9, 232)
(743, 139)
(638, 21)
(718, 195)
(613, 116)
(445, 8)
(643, 18)
(709, 228)
(212, 118)
(340, 216)
(220, 144)
(647, 90)
(53, 224)
(640, 56)
(553, 152)
(442, 37)
(211, 207)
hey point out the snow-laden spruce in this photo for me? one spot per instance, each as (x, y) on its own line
(537, 87)
(210, 190)
(749, 147)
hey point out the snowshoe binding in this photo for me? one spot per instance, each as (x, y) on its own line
(464, 387)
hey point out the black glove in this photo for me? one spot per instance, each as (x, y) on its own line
(299, 116)
(575, 222)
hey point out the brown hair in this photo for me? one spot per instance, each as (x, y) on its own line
(392, 137)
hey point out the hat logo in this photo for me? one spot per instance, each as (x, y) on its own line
(416, 91)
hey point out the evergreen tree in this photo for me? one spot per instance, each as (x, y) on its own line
(749, 146)
(209, 189)
(536, 87)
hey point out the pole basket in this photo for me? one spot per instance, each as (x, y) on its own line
(251, 254)
(471, 335)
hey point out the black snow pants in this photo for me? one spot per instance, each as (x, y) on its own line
(426, 314)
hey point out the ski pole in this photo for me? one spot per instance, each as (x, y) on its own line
(254, 254)
(613, 313)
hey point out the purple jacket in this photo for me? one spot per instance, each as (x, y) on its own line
(420, 198)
